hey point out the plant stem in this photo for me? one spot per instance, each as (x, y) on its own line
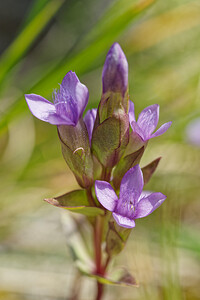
(97, 244)
(106, 264)
(98, 231)
(98, 255)
(100, 290)
(90, 197)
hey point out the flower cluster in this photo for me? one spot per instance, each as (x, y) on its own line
(103, 149)
(104, 134)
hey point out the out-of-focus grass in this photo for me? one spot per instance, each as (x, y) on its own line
(27, 36)
(162, 43)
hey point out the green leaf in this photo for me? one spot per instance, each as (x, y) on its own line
(114, 243)
(124, 165)
(150, 169)
(121, 277)
(76, 201)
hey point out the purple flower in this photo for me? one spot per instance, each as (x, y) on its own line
(115, 71)
(89, 120)
(131, 204)
(193, 132)
(69, 102)
(147, 122)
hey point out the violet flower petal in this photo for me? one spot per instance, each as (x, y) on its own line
(131, 185)
(148, 120)
(74, 94)
(106, 194)
(136, 129)
(45, 110)
(148, 204)
(161, 130)
(131, 112)
(192, 132)
(89, 120)
(115, 70)
(123, 221)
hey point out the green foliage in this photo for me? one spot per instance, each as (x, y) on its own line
(76, 201)
(25, 39)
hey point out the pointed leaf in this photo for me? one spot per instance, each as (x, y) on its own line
(150, 169)
(76, 201)
(120, 277)
(124, 165)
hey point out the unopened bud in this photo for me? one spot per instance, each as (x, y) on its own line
(115, 71)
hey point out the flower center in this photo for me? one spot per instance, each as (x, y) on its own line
(126, 209)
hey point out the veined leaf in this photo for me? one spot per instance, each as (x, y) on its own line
(76, 201)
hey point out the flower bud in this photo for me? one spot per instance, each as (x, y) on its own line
(111, 128)
(115, 71)
(115, 84)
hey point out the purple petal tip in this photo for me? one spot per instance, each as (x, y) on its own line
(115, 71)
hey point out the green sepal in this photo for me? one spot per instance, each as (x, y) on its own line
(110, 139)
(111, 103)
(150, 169)
(76, 152)
(76, 201)
(124, 165)
(116, 238)
(121, 277)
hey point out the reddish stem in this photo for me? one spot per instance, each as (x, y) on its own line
(100, 290)
(106, 264)
(100, 267)
(98, 256)
(97, 244)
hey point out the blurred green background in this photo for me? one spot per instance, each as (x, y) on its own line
(40, 41)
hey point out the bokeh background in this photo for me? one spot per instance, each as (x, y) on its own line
(40, 41)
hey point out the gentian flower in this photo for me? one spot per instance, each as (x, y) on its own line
(115, 71)
(131, 204)
(69, 102)
(89, 120)
(147, 122)
(193, 132)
